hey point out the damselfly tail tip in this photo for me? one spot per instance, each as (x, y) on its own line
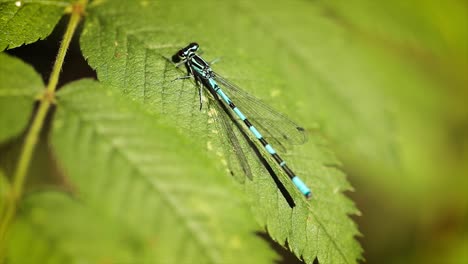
(308, 195)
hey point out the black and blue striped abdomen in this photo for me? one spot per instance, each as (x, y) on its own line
(295, 179)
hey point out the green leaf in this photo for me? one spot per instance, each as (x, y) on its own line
(129, 43)
(19, 86)
(25, 22)
(4, 190)
(129, 167)
(54, 228)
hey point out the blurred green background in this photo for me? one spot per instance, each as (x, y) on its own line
(411, 170)
(400, 69)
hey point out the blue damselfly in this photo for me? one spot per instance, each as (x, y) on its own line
(281, 127)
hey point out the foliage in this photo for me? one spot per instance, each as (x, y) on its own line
(18, 89)
(128, 150)
(139, 193)
(145, 176)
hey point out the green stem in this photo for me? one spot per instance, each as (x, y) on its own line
(32, 135)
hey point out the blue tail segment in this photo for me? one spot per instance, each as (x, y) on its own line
(204, 75)
(302, 187)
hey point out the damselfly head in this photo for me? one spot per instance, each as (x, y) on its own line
(184, 53)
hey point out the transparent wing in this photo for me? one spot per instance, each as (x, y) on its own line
(236, 157)
(275, 126)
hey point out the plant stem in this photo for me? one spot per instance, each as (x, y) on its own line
(32, 135)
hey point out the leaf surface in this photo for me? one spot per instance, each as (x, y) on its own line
(24, 22)
(129, 43)
(139, 179)
(53, 227)
(19, 86)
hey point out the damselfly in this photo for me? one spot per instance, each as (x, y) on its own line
(204, 76)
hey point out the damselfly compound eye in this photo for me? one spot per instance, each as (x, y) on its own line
(176, 58)
(193, 46)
